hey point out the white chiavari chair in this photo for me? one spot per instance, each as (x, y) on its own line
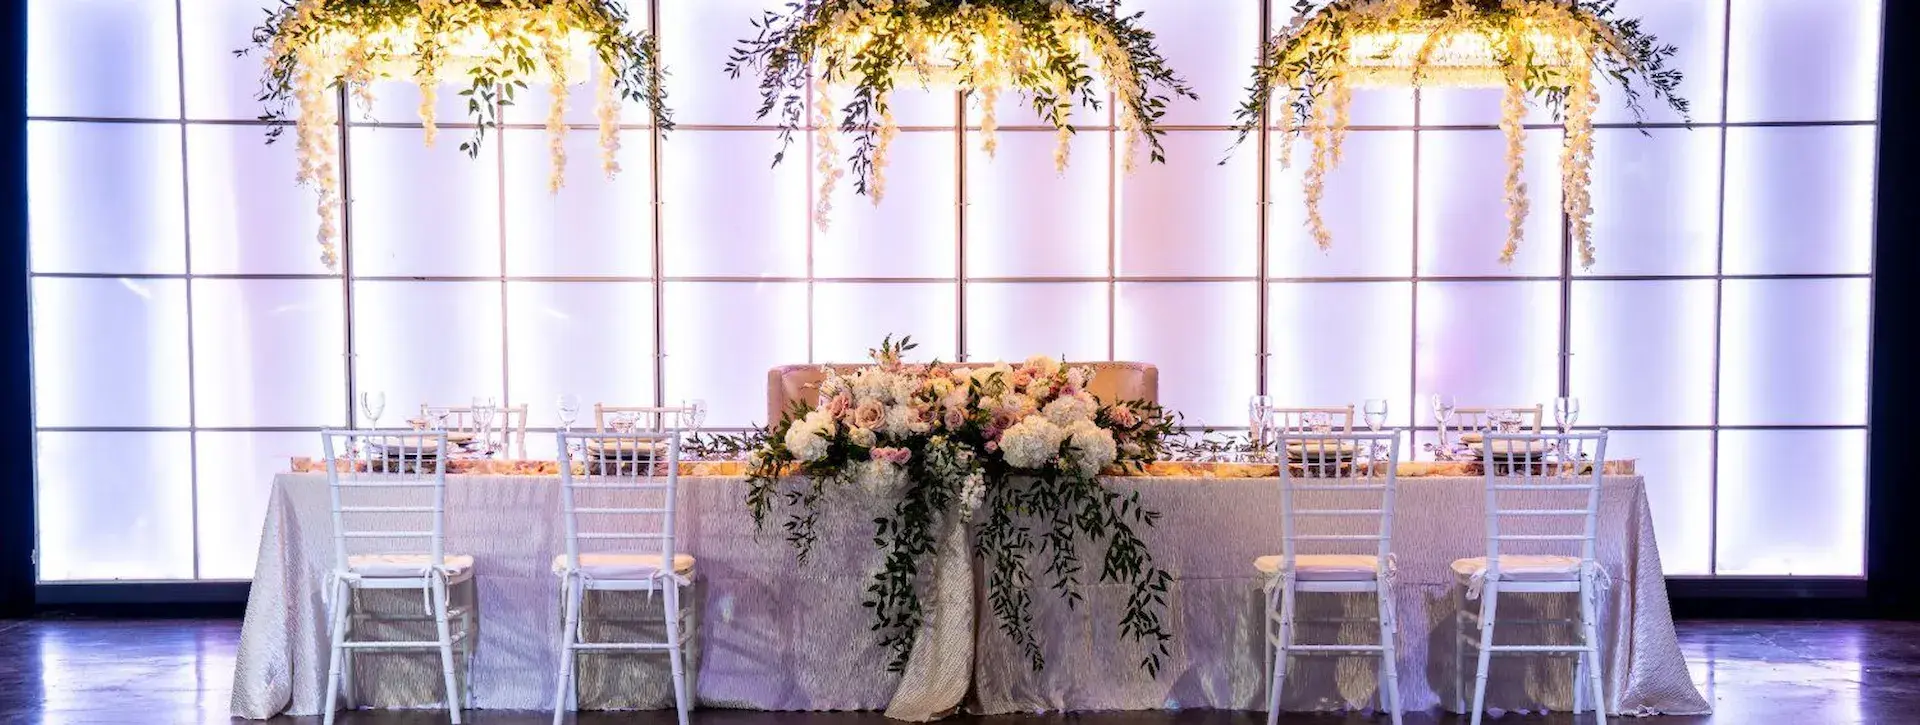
(1481, 420)
(1543, 493)
(652, 418)
(388, 497)
(619, 510)
(506, 432)
(1335, 495)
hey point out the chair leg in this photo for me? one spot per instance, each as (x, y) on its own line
(1489, 602)
(336, 651)
(1589, 626)
(1389, 659)
(1280, 647)
(1460, 703)
(676, 650)
(440, 607)
(570, 605)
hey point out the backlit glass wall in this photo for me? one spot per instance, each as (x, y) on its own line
(187, 340)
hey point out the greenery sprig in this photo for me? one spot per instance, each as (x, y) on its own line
(1048, 51)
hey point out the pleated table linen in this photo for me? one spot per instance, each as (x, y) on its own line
(772, 634)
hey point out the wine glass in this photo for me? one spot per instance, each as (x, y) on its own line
(1319, 423)
(1259, 412)
(483, 408)
(623, 422)
(1375, 410)
(1443, 407)
(693, 415)
(1566, 411)
(372, 405)
(568, 407)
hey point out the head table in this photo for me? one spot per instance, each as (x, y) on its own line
(773, 634)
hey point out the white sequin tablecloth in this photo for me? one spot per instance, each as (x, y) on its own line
(772, 634)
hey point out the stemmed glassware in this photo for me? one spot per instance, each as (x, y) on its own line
(568, 406)
(1443, 407)
(1374, 410)
(693, 414)
(483, 409)
(1259, 412)
(1566, 412)
(438, 416)
(372, 405)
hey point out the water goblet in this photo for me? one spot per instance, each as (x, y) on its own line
(568, 407)
(483, 408)
(1319, 423)
(1259, 412)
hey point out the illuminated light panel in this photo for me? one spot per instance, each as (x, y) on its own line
(1024, 218)
(1013, 320)
(1643, 352)
(1196, 332)
(723, 337)
(726, 212)
(851, 318)
(1794, 351)
(1792, 503)
(269, 352)
(110, 352)
(1488, 343)
(589, 339)
(95, 525)
(1378, 363)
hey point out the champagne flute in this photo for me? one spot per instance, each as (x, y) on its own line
(1443, 407)
(1566, 411)
(372, 405)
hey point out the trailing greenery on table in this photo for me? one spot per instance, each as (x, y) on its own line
(1046, 50)
(494, 48)
(1547, 49)
(1017, 448)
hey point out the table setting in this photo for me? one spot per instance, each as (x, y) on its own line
(847, 556)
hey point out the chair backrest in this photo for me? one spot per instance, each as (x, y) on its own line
(1336, 492)
(1543, 493)
(1302, 420)
(623, 490)
(507, 430)
(646, 418)
(1480, 420)
(388, 491)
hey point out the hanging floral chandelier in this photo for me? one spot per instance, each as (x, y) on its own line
(1549, 49)
(852, 54)
(494, 48)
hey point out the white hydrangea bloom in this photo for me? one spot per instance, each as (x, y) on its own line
(1092, 445)
(899, 421)
(808, 438)
(1070, 409)
(880, 478)
(1046, 365)
(1032, 442)
(862, 437)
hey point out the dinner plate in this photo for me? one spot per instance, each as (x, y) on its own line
(1511, 447)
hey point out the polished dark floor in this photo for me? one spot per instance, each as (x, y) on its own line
(61, 672)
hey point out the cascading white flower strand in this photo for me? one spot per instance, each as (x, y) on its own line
(1576, 165)
(1513, 122)
(826, 152)
(555, 54)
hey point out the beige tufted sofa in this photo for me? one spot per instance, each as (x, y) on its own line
(1112, 381)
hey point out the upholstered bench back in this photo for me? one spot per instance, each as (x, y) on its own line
(1112, 381)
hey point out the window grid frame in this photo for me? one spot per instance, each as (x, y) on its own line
(1264, 239)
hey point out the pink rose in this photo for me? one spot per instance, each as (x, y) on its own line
(1003, 419)
(839, 405)
(897, 456)
(1021, 378)
(1069, 390)
(993, 446)
(956, 417)
(1124, 416)
(870, 414)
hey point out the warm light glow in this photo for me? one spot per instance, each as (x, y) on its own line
(1465, 58)
(394, 51)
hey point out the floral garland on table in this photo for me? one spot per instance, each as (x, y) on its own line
(1019, 446)
(1550, 49)
(496, 47)
(1044, 50)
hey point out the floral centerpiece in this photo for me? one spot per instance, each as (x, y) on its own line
(1556, 50)
(1018, 447)
(494, 48)
(1046, 50)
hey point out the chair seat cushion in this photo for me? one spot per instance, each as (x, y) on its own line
(1523, 568)
(623, 565)
(1324, 567)
(406, 565)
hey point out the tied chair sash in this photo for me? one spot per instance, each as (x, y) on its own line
(1594, 571)
(1285, 576)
